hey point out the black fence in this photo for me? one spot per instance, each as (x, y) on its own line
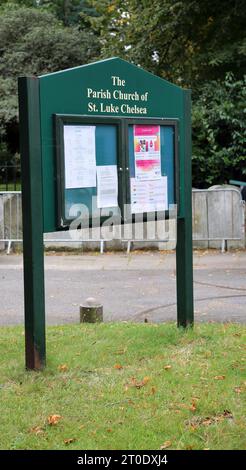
(10, 177)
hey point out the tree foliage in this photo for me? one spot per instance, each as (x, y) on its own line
(67, 11)
(194, 43)
(185, 41)
(34, 42)
(219, 133)
(197, 44)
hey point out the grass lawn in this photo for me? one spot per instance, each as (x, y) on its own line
(10, 187)
(126, 386)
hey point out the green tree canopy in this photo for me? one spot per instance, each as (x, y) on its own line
(195, 43)
(34, 42)
(68, 11)
(185, 41)
(219, 132)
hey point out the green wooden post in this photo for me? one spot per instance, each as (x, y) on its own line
(32, 209)
(184, 263)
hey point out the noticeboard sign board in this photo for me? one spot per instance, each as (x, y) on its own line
(102, 135)
(109, 89)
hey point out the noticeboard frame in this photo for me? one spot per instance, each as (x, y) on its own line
(124, 194)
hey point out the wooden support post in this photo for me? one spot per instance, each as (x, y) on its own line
(184, 261)
(32, 210)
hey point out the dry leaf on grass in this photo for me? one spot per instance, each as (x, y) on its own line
(69, 441)
(135, 383)
(167, 367)
(118, 366)
(219, 417)
(219, 377)
(140, 384)
(37, 430)
(63, 368)
(165, 445)
(193, 406)
(240, 388)
(54, 419)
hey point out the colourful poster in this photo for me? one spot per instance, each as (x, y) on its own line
(147, 152)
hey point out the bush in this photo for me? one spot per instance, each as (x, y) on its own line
(219, 133)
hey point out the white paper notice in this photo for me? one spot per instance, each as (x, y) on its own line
(107, 186)
(149, 196)
(80, 156)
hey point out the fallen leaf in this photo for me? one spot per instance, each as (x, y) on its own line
(118, 366)
(166, 444)
(199, 421)
(183, 406)
(142, 383)
(193, 406)
(189, 447)
(219, 377)
(207, 421)
(69, 441)
(109, 430)
(238, 390)
(135, 383)
(37, 430)
(63, 368)
(167, 367)
(54, 419)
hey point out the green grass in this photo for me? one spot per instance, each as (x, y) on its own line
(196, 403)
(10, 187)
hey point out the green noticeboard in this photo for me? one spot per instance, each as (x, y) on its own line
(102, 136)
(107, 89)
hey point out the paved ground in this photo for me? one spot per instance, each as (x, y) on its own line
(135, 286)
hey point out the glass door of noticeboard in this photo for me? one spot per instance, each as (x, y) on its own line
(153, 169)
(89, 169)
(103, 164)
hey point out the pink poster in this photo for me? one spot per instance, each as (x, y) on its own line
(147, 152)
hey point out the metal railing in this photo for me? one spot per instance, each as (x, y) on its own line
(10, 218)
(218, 215)
(11, 223)
(10, 177)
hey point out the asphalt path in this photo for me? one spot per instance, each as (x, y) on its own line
(138, 287)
